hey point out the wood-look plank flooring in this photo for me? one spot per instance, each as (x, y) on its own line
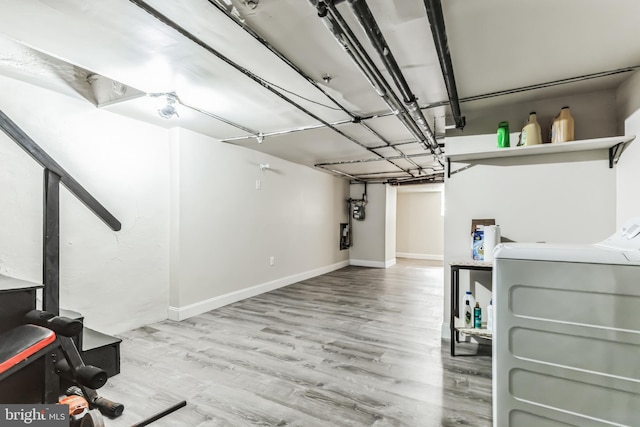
(355, 347)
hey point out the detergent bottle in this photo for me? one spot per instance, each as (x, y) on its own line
(531, 133)
(562, 129)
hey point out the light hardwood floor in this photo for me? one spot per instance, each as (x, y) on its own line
(355, 347)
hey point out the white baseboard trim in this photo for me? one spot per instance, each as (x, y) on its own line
(420, 256)
(181, 313)
(373, 264)
(445, 332)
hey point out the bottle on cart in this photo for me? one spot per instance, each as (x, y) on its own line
(490, 316)
(468, 311)
(477, 316)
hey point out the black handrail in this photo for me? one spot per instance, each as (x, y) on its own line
(40, 156)
(54, 174)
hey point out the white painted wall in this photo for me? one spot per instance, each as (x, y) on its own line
(561, 198)
(374, 238)
(594, 114)
(390, 225)
(420, 224)
(196, 234)
(225, 230)
(628, 169)
(117, 280)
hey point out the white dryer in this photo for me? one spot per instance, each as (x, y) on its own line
(566, 347)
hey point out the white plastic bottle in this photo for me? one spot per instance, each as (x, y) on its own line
(490, 316)
(468, 309)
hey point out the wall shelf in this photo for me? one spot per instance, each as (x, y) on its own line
(615, 145)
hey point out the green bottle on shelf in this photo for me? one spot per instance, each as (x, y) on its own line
(503, 134)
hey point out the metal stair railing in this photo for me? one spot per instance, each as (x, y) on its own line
(54, 174)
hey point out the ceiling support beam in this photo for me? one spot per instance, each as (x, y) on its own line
(439, 32)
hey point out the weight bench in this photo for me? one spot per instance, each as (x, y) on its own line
(49, 336)
(43, 336)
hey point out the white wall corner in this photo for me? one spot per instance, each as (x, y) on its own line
(390, 263)
(182, 313)
(445, 332)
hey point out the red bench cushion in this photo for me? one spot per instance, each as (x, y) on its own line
(19, 343)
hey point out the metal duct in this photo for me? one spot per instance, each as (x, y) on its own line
(370, 26)
(439, 32)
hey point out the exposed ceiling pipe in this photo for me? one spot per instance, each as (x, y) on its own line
(294, 67)
(431, 179)
(337, 123)
(351, 162)
(172, 24)
(280, 55)
(388, 145)
(371, 29)
(552, 83)
(439, 32)
(349, 42)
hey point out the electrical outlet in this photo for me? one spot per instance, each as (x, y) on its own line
(258, 184)
(272, 261)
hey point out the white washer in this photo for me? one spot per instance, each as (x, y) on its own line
(566, 347)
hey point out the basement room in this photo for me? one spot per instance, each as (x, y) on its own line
(309, 213)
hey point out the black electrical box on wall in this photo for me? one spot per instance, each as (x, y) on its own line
(345, 236)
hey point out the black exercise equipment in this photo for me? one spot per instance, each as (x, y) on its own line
(47, 336)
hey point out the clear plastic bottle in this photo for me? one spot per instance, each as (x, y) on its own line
(477, 316)
(490, 316)
(468, 311)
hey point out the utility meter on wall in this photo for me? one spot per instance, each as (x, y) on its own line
(358, 212)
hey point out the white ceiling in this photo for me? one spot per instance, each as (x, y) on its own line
(236, 89)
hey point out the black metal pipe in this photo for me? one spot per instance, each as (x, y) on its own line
(174, 25)
(439, 32)
(370, 26)
(280, 55)
(551, 83)
(351, 162)
(343, 34)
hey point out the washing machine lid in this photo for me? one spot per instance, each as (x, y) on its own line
(622, 247)
(591, 254)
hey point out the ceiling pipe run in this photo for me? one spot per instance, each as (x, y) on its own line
(349, 42)
(439, 32)
(262, 82)
(370, 26)
(294, 67)
(422, 172)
